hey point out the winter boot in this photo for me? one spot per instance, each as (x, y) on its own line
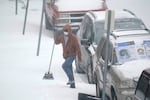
(68, 83)
(72, 85)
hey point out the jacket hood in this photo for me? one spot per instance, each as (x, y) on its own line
(68, 28)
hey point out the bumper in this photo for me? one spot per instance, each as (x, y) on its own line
(126, 95)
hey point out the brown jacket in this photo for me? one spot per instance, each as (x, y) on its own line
(72, 47)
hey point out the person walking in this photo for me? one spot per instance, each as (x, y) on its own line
(71, 50)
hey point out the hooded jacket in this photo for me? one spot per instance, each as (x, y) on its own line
(71, 48)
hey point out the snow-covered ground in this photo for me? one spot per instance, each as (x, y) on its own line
(21, 71)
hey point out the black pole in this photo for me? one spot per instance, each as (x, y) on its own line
(24, 26)
(16, 7)
(40, 33)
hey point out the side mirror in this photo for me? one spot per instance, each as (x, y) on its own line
(109, 65)
(85, 42)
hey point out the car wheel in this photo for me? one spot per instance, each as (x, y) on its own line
(113, 94)
(90, 74)
(78, 68)
(98, 90)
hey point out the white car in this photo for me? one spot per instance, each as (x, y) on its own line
(91, 30)
(60, 12)
(128, 56)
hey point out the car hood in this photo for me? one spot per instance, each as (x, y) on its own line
(79, 5)
(132, 69)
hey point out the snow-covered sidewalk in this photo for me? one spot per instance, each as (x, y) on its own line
(21, 71)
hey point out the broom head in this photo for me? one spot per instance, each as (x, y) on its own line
(48, 76)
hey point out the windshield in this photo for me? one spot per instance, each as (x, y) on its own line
(129, 24)
(120, 25)
(128, 51)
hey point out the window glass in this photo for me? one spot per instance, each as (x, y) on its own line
(86, 29)
(129, 24)
(120, 24)
(142, 87)
(100, 46)
(99, 31)
(110, 47)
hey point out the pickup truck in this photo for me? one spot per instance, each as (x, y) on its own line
(60, 12)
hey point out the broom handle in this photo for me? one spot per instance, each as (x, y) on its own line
(51, 58)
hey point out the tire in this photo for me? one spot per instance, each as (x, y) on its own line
(78, 68)
(90, 74)
(113, 94)
(83, 96)
(98, 90)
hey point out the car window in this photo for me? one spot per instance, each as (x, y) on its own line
(142, 87)
(86, 28)
(129, 24)
(100, 47)
(130, 50)
(103, 54)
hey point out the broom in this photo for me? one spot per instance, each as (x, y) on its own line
(48, 75)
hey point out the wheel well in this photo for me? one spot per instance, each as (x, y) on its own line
(113, 93)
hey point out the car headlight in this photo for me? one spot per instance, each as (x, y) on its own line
(127, 84)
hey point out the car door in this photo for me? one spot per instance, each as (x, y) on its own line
(143, 88)
(86, 33)
(101, 55)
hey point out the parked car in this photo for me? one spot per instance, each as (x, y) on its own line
(143, 87)
(60, 12)
(128, 56)
(92, 28)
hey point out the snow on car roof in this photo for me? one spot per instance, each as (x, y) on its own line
(131, 35)
(131, 32)
(100, 15)
(76, 5)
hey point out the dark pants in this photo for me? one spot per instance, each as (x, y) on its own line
(67, 67)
